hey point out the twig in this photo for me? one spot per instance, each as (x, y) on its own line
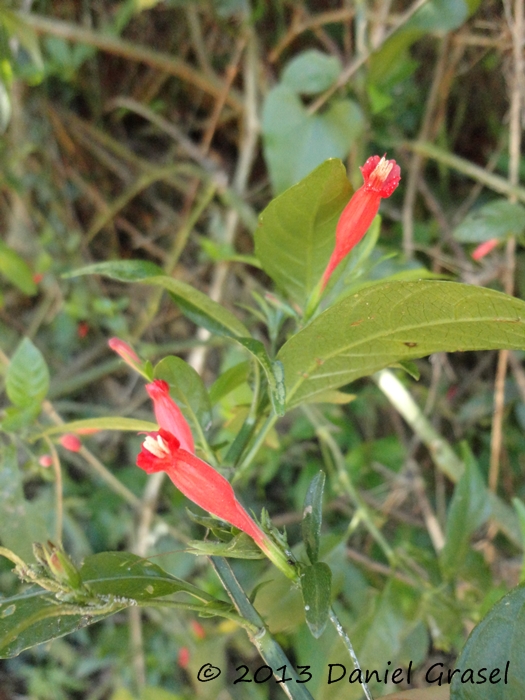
(516, 27)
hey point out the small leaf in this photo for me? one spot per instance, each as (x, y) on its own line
(468, 510)
(311, 71)
(239, 547)
(498, 641)
(228, 381)
(313, 516)
(188, 389)
(497, 219)
(27, 379)
(316, 584)
(296, 233)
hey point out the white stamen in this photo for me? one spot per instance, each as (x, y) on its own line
(382, 170)
(157, 447)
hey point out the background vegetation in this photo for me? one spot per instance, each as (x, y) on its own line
(159, 131)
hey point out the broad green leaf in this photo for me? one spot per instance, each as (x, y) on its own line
(27, 379)
(439, 16)
(498, 641)
(129, 576)
(498, 219)
(311, 71)
(188, 389)
(316, 584)
(313, 516)
(468, 510)
(296, 232)
(394, 321)
(88, 425)
(296, 142)
(228, 381)
(21, 521)
(35, 617)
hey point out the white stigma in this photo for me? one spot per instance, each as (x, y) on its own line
(157, 446)
(382, 170)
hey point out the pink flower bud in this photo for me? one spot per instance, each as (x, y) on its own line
(125, 351)
(45, 460)
(70, 442)
(485, 248)
(381, 177)
(184, 657)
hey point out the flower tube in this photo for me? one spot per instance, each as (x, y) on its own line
(381, 177)
(169, 415)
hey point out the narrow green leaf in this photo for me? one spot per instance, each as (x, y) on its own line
(188, 390)
(313, 516)
(498, 642)
(228, 381)
(468, 510)
(12, 266)
(103, 423)
(391, 322)
(239, 547)
(27, 379)
(121, 270)
(316, 584)
(296, 233)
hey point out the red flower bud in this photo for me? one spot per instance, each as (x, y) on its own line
(169, 415)
(381, 177)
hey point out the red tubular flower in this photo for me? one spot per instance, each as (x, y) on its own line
(169, 415)
(70, 442)
(381, 177)
(197, 480)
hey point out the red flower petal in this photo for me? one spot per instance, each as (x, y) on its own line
(169, 415)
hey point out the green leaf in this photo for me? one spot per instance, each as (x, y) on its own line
(188, 389)
(296, 232)
(311, 71)
(121, 270)
(498, 640)
(468, 510)
(35, 617)
(519, 507)
(316, 584)
(313, 516)
(296, 142)
(21, 521)
(200, 309)
(27, 379)
(228, 381)
(102, 423)
(394, 321)
(498, 219)
(128, 576)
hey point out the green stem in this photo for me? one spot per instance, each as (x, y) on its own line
(270, 651)
(363, 512)
(256, 446)
(349, 647)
